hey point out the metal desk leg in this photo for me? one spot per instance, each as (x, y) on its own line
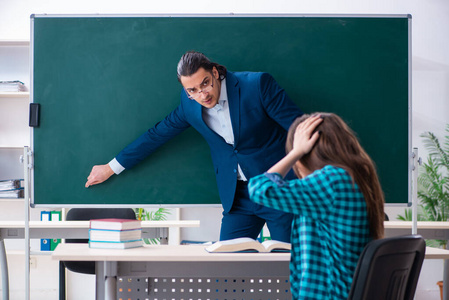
(106, 280)
(446, 280)
(61, 281)
(4, 271)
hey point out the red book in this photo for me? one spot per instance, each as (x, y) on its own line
(115, 224)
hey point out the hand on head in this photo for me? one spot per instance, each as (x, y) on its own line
(304, 137)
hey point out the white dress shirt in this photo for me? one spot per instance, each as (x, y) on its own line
(218, 119)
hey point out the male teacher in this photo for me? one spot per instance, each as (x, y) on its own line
(244, 117)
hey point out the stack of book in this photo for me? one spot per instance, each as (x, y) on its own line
(12, 86)
(115, 233)
(11, 188)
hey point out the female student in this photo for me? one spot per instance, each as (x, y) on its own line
(337, 204)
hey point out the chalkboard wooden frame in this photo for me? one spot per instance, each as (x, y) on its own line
(357, 66)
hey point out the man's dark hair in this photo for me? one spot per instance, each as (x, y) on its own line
(191, 61)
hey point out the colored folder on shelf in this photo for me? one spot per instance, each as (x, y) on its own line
(55, 216)
(45, 243)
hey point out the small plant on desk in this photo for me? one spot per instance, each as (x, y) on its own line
(156, 215)
(433, 185)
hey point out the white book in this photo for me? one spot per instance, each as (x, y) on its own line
(115, 224)
(12, 86)
(16, 193)
(10, 184)
(115, 245)
(115, 235)
(249, 245)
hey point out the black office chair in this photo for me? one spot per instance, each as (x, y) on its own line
(388, 269)
(86, 214)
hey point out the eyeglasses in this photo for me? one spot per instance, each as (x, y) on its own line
(205, 87)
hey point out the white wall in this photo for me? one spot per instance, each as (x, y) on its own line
(430, 61)
(429, 35)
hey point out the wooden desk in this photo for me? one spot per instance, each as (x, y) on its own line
(168, 265)
(428, 230)
(186, 271)
(421, 225)
(70, 229)
(435, 253)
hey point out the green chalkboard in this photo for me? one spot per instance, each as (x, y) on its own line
(102, 81)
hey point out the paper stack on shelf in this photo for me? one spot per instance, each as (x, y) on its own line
(11, 188)
(12, 86)
(115, 233)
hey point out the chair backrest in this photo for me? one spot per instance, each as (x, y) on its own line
(389, 269)
(86, 214)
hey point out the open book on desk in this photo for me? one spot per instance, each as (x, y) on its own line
(248, 245)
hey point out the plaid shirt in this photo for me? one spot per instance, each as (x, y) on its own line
(330, 228)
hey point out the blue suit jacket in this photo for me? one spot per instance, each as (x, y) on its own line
(261, 114)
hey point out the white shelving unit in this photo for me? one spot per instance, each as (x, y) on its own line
(15, 132)
(14, 129)
(14, 59)
(14, 135)
(15, 43)
(15, 95)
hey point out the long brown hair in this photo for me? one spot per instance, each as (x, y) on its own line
(339, 146)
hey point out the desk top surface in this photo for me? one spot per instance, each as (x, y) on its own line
(76, 252)
(185, 223)
(420, 225)
(85, 224)
(436, 253)
(164, 253)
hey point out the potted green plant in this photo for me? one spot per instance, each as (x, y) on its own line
(156, 215)
(433, 184)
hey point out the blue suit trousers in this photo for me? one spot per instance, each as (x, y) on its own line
(246, 218)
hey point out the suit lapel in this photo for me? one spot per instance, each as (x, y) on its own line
(201, 126)
(233, 90)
